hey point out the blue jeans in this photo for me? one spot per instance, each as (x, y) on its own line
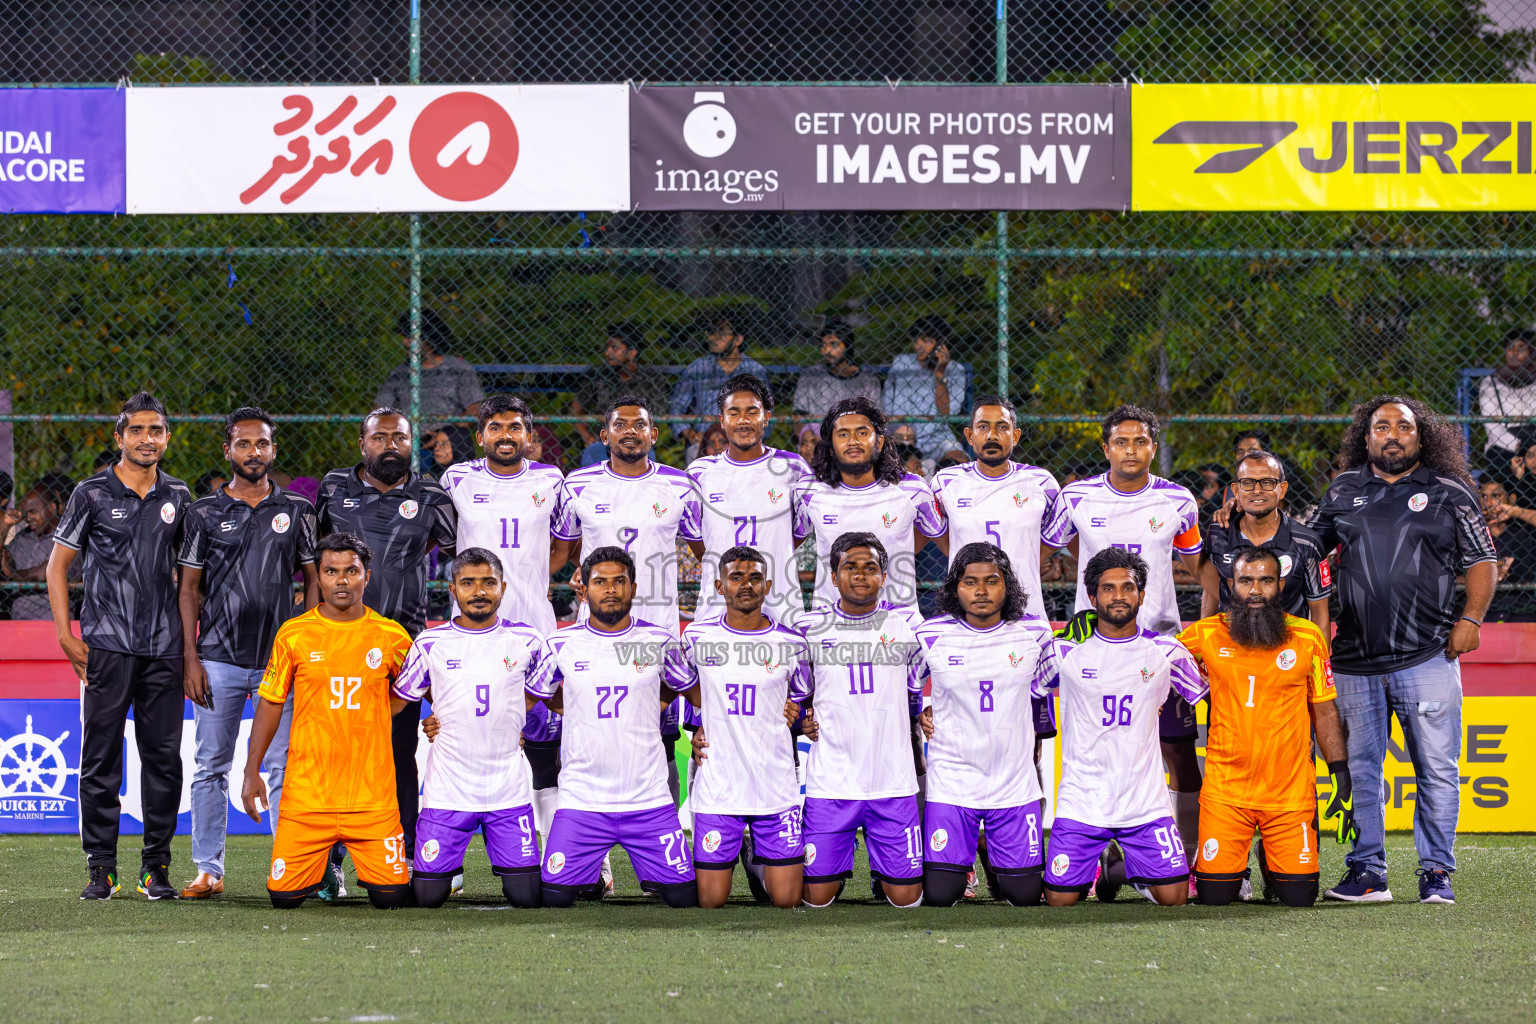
(1427, 702)
(216, 732)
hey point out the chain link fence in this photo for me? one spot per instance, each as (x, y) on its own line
(1218, 322)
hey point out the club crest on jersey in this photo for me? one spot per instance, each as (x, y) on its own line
(774, 496)
(1020, 499)
(1060, 863)
(375, 658)
(555, 863)
(659, 509)
(711, 841)
(408, 509)
(168, 512)
(1155, 523)
(1286, 659)
(938, 840)
(430, 850)
(539, 499)
(885, 517)
(1417, 503)
(281, 522)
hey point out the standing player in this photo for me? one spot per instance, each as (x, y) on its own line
(750, 498)
(867, 684)
(506, 504)
(987, 657)
(1270, 687)
(1255, 517)
(611, 675)
(338, 661)
(858, 486)
(742, 667)
(1111, 686)
(637, 506)
(127, 520)
(241, 548)
(477, 778)
(995, 500)
(401, 516)
(1130, 509)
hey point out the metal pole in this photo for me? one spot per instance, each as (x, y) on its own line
(415, 263)
(1002, 221)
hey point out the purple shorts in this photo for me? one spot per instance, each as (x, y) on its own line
(1177, 722)
(1013, 837)
(442, 836)
(775, 839)
(1154, 853)
(892, 836)
(653, 839)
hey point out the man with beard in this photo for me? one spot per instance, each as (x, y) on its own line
(858, 486)
(127, 520)
(1407, 522)
(1112, 684)
(1271, 686)
(995, 500)
(401, 516)
(242, 546)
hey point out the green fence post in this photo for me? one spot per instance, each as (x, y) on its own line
(1002, 222)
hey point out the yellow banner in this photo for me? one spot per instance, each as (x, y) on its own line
(1332, 147)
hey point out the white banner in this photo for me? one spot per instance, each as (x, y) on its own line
(358, 149)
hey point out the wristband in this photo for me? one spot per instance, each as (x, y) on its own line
(1468, 618)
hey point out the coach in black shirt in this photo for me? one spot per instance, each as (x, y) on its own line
(127, 521)
(402, 515)
(1255, 517)
(1407, 523)
(242, 546)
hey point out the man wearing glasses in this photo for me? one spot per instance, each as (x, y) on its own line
(1254, 517)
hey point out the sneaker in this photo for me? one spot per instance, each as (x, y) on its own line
(1435, 886)
(332, 888)
(456, 884)
(103, 884)
(970, 885)
(1103, 889)
(1359, 886)
(156, 884)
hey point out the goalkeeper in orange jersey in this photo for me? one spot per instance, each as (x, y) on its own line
(1271, 686)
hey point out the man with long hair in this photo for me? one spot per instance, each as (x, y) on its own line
(1407, 522)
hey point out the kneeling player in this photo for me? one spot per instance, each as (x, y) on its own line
(612, 675)
(743, 667)
(477, 778)
(1270, 686)
(1112, 686)
(987, 657)
(338, 660)
(867, 675)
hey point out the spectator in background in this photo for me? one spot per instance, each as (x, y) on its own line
(449, 385)
(452, 443)
(1510, 391)
(837, 376)
(209, 482)
(926, 382)
(620, 373)
(25, 557)
(695, 390)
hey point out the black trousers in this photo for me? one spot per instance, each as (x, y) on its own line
(152, 687)
(403, 732)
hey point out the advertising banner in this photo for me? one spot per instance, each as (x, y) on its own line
(357, 149)
(878, 148)
(61, 151)
(1333, 147)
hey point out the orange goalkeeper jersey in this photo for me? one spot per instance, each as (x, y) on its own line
(1258, 750)
(339, 754)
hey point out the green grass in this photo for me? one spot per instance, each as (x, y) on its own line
(236, 959)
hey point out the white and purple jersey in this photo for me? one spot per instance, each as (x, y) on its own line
(744, 679)
(753, 504)
(477, 679)
(611, 756)
(1156, 522)
(644, 515)
(889, 511)
(511, 517)
(1009, 511)
(985, 682)
(867, 677)
(1110, 695)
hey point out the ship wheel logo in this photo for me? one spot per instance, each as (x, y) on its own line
(31, 764)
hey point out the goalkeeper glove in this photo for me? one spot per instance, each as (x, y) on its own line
(1341, 803)
(1079, 628)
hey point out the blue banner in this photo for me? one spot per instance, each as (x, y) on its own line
(63, 151)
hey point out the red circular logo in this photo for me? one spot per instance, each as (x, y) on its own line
(464, 146)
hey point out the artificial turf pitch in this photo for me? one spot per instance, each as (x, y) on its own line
(234, 958)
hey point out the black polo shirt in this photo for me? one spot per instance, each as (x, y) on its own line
(1401, 547)
(1303, 565)
(248, 557)
(128, 547)
(401, 526)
